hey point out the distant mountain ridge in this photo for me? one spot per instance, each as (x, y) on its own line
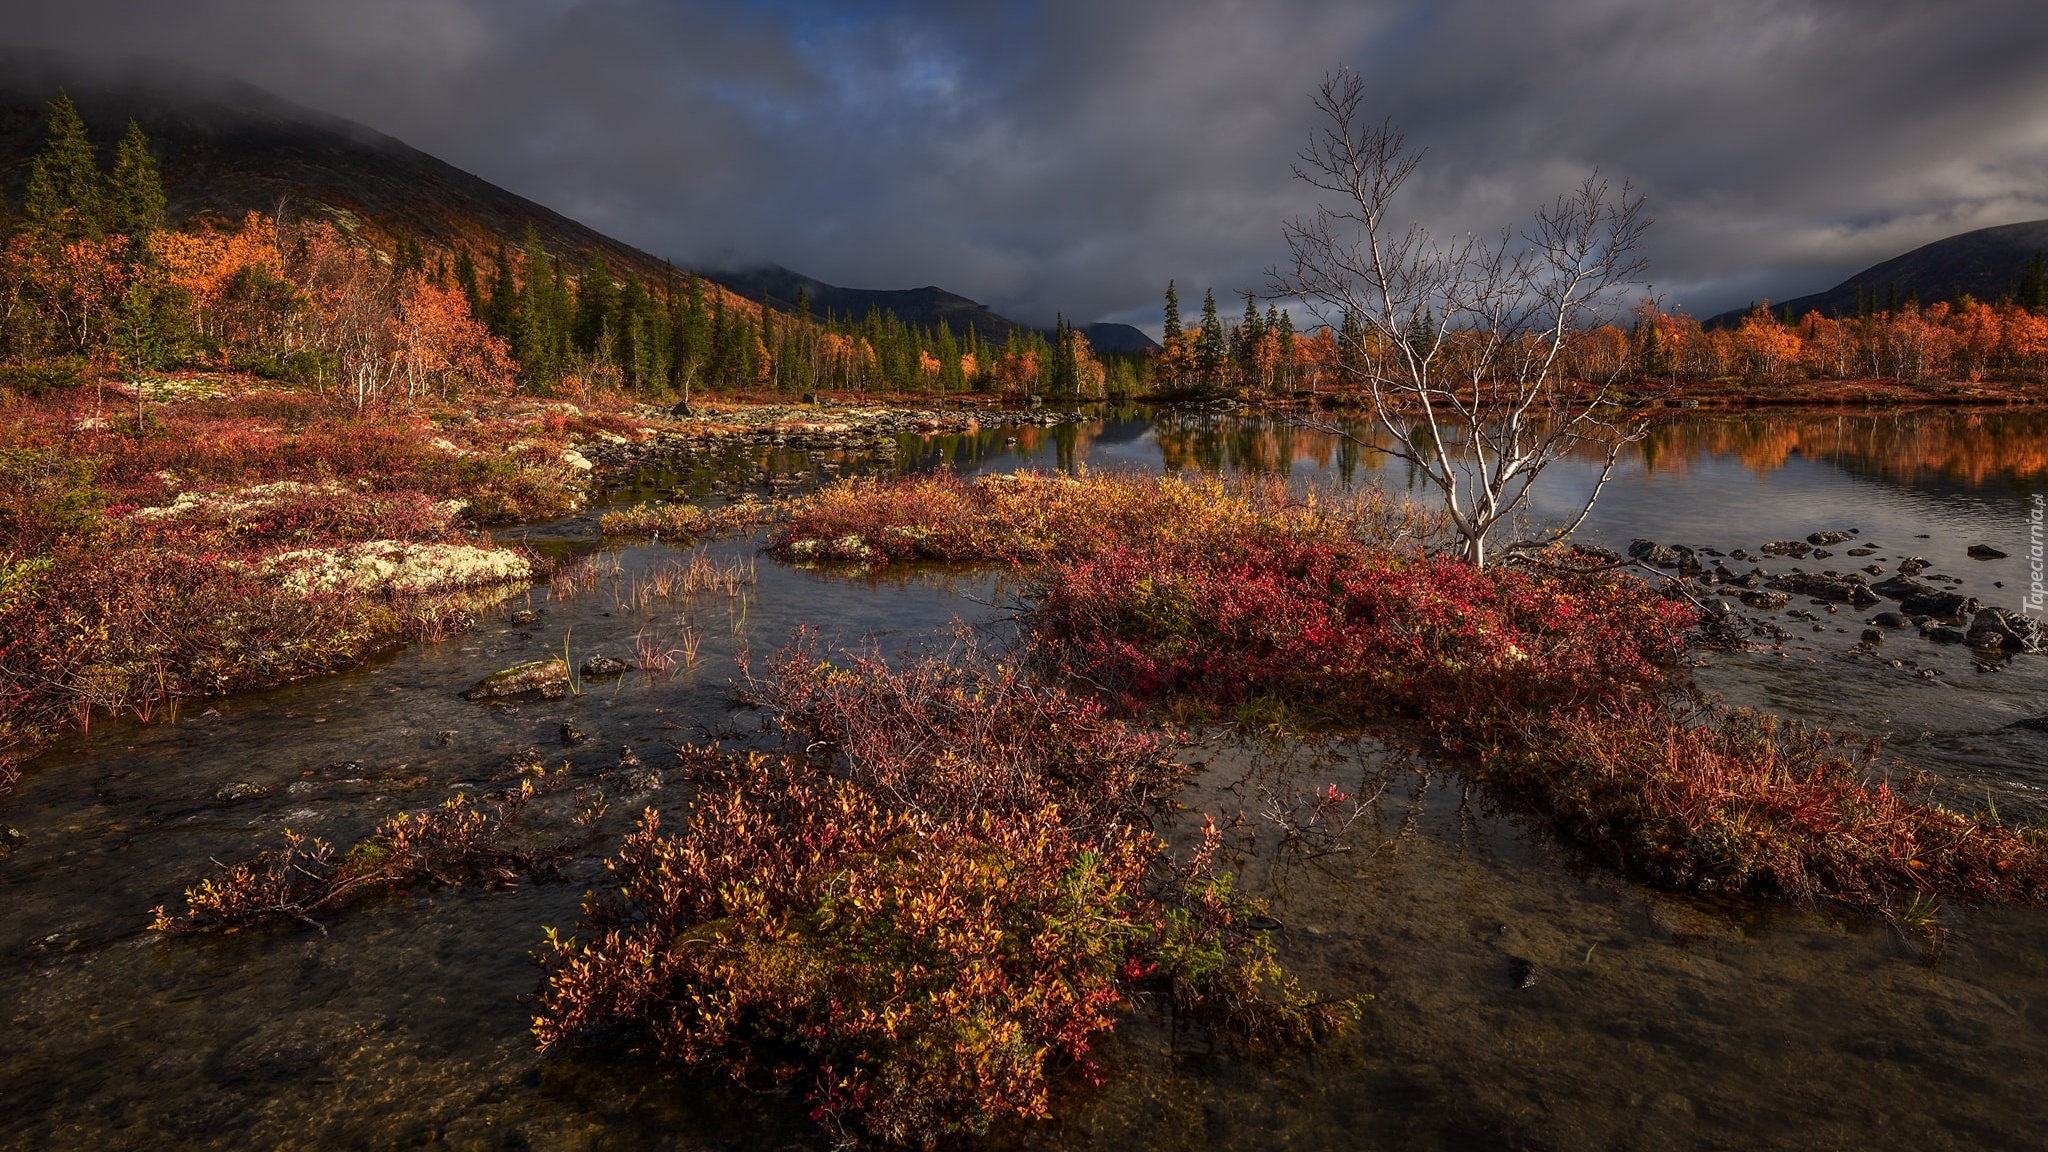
(227, 148)
(1986, 264)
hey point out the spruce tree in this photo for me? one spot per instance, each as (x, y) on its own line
(1172, 313)
(135, 194)
(2033, 294)
(66, 195)
(501, 312)
(1210, 351)
(466, 280)
(596, 307)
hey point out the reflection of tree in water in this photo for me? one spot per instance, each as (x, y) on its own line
(1974, 449)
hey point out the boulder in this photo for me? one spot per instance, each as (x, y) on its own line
(550, 678)
(1900, 587)
(1892, 620)
(1822, 539)
(1947, 635)
(602, 667)
(1953, 606)
(2009, 631)
(1766, 599)
(1914, 565)
(524, 616)
(238, 790)
(1787, 548)
(1984, 552)
(1873, 636)
(1651, 552)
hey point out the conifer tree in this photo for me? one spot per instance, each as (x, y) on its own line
(2033, 293)
(1210, 351)
(135, 194)
(596, 306)
(466, 281)
(66, 194)
(1172, 313)
(500, 313)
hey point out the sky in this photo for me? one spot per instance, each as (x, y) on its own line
(1073, 156)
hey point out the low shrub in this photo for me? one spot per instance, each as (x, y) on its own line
(920, 910)
(462, 841)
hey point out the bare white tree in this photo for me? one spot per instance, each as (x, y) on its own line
(1469, 362)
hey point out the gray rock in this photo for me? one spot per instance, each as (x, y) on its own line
(1839, 589)
(1953, 606)
(601, 667)
(637, 780)
(1900, 587)
(1651, 552)
(2009, 631)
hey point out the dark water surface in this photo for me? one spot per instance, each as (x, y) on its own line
(1648, 1019)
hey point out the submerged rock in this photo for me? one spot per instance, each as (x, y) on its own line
(1983, 552)
(550, 678)
(1766, 599)
(238, 790)
(524, 616)
(1841, 589)
(570, 733)
(1787, 548)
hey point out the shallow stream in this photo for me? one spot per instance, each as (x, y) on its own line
(1525, 997)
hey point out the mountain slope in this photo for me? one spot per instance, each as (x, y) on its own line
(227, 148)
(1986, 264)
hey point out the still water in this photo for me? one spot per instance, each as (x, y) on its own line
(1648, 1019)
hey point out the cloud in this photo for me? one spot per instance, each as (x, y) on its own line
(1072, 157)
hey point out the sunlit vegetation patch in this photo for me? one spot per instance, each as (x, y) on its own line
(462, 841)
(1028, 517)
(681, 523)
(922, 908)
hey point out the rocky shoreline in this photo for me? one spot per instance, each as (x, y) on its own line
(1935, 606)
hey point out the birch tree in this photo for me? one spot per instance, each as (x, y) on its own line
(1472, 386)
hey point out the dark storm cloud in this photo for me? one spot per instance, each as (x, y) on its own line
(1074, 156)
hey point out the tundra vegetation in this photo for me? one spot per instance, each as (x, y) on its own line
(242, 451)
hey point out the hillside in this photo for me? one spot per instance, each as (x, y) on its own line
(227, 148)
(1986, 264)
